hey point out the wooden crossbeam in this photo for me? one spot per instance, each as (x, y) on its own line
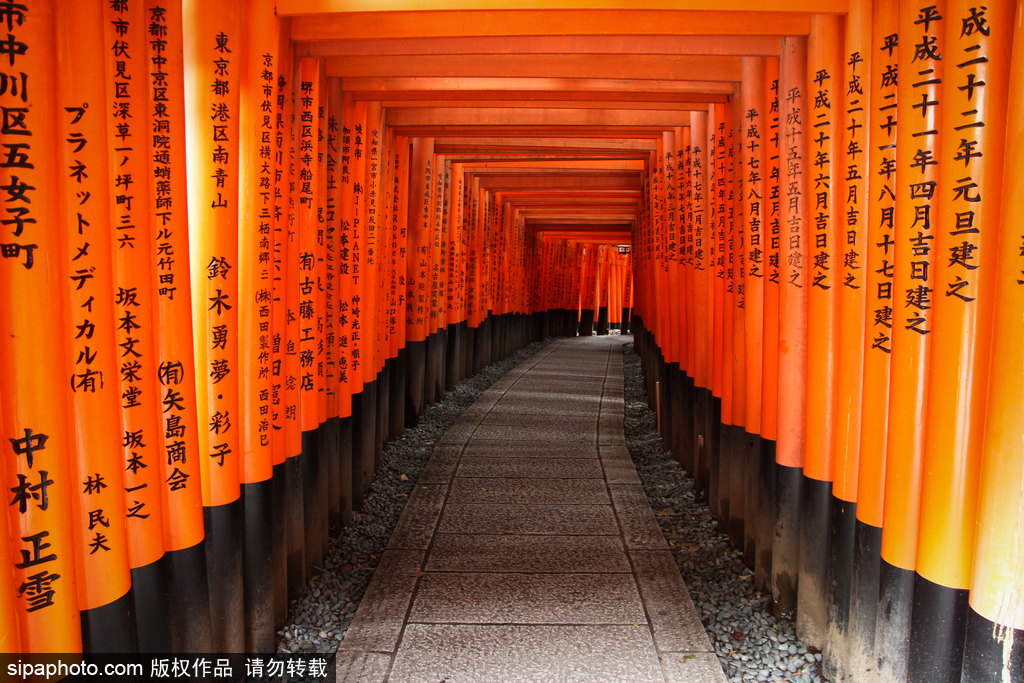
(623, 104)
(537, 83)
(547, 45)
(318, 20)
(461, 89)
(614, 66)
(455, 116)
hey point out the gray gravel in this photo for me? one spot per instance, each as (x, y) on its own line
(751, 643)
(318, 622)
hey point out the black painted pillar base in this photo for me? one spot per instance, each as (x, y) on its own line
(938, 629)
(687, 427)
(725, 476)
(751, 523)
(498, 332)
(842, 529)
(602, 320)
(452, 351)
(311, 500)
(294, 528)
(673, 391)
(867, 558)
(488, 343)
(481, 346)
(280, 544)
(380, 435)
(258, 567)
(151, 612)
(111, 627)
(396, 395)
(430, 370)
(332, 448)
(626, 328)
(442, 363)
(786, 548)
(701, 440)
(665, 407)
(713, 449)
(994, 653)
(765, 520)
(815, 523)
(189, 600)
(223, 541)
(365, 436)
(586, 322)
(345, 456)
(468, 350)
(738, 477)
(895, 612)
(327, 447)
(415, 376)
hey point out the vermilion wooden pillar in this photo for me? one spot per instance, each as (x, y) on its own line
(965, 231)
(852, 178)
(213, 49)
(186, 569)
(107, 541)
(256, 202)
(996, 618)
(913, 273)
(37, 446)
(878, 273)
(772, 239)
(417, 274)
(754, 115)
(795, 283)
(824, 93)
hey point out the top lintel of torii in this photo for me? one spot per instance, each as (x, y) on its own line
(381, 19)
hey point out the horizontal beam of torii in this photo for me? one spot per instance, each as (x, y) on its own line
(451, 117)
(584, 45)
(615, 66)
(370, 25)
(362, 86)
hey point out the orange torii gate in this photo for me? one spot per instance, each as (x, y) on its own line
(222, 244)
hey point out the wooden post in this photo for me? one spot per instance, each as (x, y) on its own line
(213, 49)
(187, 599)
(256, 202)
(108, 541)
(792, 322)
(753, 142)
(966, 225)
(37, 441)
(772, 240)
(824, 72)
(995, 622)
(851, 177)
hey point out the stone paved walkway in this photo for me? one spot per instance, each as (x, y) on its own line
(528, 550)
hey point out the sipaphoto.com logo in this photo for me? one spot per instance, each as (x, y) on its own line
(60, 669)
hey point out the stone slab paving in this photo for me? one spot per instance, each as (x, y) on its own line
(528, 550)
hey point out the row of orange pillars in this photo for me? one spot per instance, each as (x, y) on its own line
(223, 289)
(202, 327)
(837, 353)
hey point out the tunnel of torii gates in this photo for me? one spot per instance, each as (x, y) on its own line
(244, 246)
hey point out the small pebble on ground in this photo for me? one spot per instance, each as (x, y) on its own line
(751, 643)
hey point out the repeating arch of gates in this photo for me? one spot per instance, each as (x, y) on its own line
(247, 244)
